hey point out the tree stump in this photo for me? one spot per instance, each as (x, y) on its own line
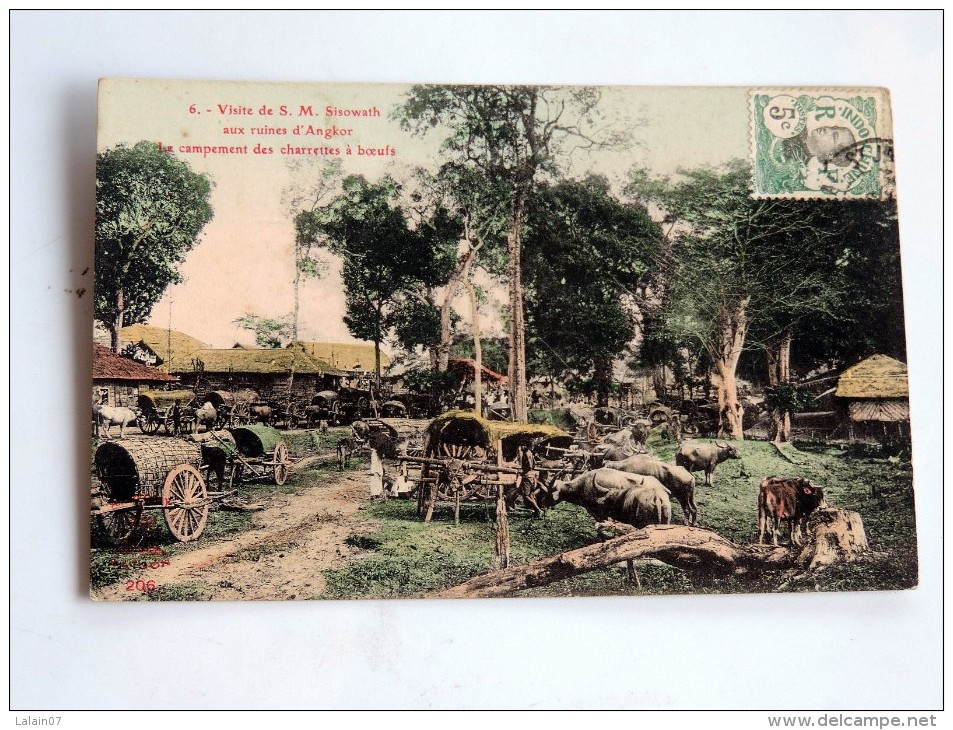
(833, 536)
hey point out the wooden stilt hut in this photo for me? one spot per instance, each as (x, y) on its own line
(875, 399)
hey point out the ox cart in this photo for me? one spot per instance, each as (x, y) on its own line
(260, 453)
(172, 410)
(466, 457)
(138, 474)
(233, 407)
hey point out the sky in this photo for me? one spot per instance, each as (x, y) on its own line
(243, 263)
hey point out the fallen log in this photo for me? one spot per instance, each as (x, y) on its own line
(834, 535)
(691, 548)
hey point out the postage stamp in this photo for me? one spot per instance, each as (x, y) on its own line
(822, 143)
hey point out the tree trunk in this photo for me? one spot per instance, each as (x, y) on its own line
(477, 349)
(459, 274)
(733, 326)
(779, 371)
(517, 359)
(603, 376)
(115, 330)
(658, 383)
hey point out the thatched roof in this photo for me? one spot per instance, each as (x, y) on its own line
(346, 356)
(488, 432)
(247, 360)
(107, 365)
(178, 358)
(878, 376)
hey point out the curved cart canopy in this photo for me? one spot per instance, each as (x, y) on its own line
(256, 441)
(462, 428)
(324, 398)
(138, 466)
(232, 398)
(156, 399)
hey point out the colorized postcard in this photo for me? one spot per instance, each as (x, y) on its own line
(431, 341)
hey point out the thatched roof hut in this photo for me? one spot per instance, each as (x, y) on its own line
(172, 350)
(875, 390)
(346, 356)
(271, 361)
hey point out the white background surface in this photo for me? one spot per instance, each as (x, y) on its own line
(833, 652)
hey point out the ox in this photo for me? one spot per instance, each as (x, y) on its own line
(208, 415)
(607, 493)
(612, 452)
(792, 499)
(678, 480)
(696, 456)
(109, 416)
(261, 413)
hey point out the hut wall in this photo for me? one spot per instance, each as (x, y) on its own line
(119, 393)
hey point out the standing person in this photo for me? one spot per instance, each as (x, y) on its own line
(528, 477)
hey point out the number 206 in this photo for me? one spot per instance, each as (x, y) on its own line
(140, 585)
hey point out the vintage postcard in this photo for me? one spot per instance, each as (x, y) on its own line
(384, 341)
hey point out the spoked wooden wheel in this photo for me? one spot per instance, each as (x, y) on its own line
(148, 424)
(281, 464)
(120, 528)
(458, 451)
(186, 500)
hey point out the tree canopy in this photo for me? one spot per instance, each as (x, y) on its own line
(150, 210)
(585, 254)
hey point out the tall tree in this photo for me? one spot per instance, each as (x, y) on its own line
(585, 256)
(150, 210)
(383, 259)
(514, 135)
(743, 263)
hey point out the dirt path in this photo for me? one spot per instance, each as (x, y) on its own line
(282, 556)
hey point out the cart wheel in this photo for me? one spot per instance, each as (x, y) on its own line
(120, 528)
(185, 488)
(148, 425)
(281, 464)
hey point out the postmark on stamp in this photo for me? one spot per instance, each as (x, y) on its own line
(819, 143)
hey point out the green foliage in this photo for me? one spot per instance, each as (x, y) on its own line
(584, 256)
(150, 209)
(383, 260)
(788, 398)
(432, 381)
(269, 333)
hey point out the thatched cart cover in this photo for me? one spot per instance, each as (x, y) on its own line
(139, 465)
(256, 441)
(165, 398)
(465, 428)
(230, 398)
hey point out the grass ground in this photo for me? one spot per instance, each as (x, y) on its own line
(407, 558)
(402, 557)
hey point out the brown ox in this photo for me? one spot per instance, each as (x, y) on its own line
(791, 499)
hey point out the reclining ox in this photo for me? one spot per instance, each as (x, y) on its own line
(678, 480)
(608, 493)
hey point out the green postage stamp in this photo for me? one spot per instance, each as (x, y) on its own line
(810, 143)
